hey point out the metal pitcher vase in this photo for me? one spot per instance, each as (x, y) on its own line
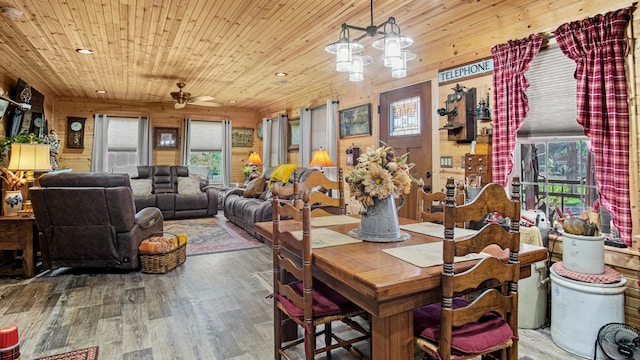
(379, 222)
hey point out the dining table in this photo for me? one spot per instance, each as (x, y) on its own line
(387, 287)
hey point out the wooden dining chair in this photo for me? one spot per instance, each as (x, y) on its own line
(431, 205)
(321, 199)
(488, 325)
(427, 203)
(303, 299)
(326, 196)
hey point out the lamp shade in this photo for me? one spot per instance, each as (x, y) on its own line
(30, 157)
(254, 159)
(321, 159)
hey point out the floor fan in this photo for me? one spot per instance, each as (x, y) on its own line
(618, 341)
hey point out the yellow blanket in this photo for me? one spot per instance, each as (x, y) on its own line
(282, 173)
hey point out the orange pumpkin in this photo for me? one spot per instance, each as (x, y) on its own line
(156, 244)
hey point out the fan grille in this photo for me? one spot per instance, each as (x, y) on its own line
(618, 341)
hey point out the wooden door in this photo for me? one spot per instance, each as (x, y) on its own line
(405, 124)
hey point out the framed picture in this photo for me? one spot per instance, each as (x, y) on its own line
(165, 138)
(294, 134)
(242, 137)
(355, 121)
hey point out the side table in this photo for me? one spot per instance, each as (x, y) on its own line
(17, 233)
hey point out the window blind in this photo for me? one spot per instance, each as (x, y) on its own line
(552, 96)
(206, 135)
(122, 134)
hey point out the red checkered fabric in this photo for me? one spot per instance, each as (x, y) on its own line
(609, 276)
(510, 62)
(599, 45)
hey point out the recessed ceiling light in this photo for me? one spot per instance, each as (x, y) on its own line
(84, 51)
(233, 101)
(101, 91)
(281, 74)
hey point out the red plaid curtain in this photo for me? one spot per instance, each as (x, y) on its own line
(599, 45)
(510, 62)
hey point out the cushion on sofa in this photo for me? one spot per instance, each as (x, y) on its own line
(282, 173)
(189, 185)
(141, 187)
(255, 187)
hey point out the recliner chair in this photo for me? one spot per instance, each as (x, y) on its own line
(89, 220)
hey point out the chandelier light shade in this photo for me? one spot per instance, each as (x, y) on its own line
(392, 43)
(357, 68)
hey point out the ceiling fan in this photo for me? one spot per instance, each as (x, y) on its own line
(184, 98)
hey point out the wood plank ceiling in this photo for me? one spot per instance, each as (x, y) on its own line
(231, 49)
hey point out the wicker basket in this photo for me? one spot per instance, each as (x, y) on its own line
(161, 263)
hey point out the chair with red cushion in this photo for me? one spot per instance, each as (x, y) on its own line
(301, 298)
(487, 325)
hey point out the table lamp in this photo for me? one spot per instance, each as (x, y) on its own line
(321, 159)
(29, 158)
(254, 160)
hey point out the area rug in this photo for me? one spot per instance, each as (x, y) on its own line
(211, 235)
(83, 354)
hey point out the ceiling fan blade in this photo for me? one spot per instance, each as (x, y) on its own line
(201, 98)
(206, 103)
(179, 105)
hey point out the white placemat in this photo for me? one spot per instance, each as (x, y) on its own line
(436, 230)
(425, 255)
(319, 221)
(323, 237)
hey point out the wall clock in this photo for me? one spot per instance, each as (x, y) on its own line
(75, 132)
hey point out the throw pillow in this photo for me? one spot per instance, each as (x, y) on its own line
(189, 185)
(141, 187)
(255, 187)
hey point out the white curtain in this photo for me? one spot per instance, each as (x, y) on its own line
(144, 141)
(305, 137)
(100, 143)
(266, 144)
(226, 152)
(331, 142)
(282, 139)
(186, 143)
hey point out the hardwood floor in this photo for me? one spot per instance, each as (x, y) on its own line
(212, 307)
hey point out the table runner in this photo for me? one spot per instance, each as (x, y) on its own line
(333, 220)
(425, 255)
(323, 237)
(436, 230)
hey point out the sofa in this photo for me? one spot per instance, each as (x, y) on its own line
(173, 190)
(246, 206)
(88, 220)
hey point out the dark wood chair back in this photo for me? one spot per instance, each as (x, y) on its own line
(297, 296)
(493, 282)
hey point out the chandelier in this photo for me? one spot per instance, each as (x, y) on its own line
(349, 53)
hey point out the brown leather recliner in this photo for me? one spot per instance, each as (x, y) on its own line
(89, 220)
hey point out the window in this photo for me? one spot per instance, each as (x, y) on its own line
(556, 173)
(552, 155)
(122, 145)
(294, 134)
(405, 117)
(205, 147)
(318, 128)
